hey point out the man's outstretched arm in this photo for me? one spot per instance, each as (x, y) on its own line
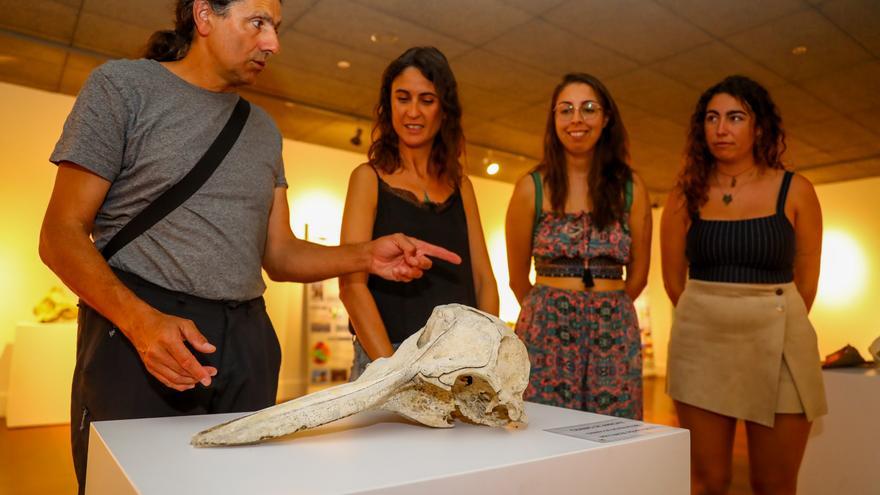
(394, 257)
(65, 247)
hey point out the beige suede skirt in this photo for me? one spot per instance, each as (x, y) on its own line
(745, 350)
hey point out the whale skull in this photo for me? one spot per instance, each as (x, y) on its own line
(463, 363)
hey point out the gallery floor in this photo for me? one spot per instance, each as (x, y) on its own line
(36, 461)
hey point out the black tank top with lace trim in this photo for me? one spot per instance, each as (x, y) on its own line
(405, 307)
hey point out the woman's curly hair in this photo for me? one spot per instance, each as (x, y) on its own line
(699, 162)
(448, 143)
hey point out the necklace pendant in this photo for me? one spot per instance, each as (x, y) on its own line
(727, 198)
(733, 182)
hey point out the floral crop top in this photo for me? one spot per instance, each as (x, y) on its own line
(569, 245)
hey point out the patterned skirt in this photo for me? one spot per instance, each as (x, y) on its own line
(585, 350)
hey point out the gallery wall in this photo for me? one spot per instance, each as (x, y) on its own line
(845, 311)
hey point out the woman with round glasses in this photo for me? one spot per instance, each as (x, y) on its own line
(584, 216)
(414, 183)
(741, 238)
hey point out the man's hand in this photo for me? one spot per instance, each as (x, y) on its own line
(401, 258)
(159, 339)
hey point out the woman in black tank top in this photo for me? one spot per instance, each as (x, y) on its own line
(414, 183)
(740, 240)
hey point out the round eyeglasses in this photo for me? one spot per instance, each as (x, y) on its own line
(588, 110)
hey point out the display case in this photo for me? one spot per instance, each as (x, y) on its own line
(40, 374)
(378, 453)
(843, 452)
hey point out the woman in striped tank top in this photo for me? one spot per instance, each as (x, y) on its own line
(741, 239)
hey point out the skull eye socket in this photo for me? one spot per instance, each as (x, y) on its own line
(468, 380)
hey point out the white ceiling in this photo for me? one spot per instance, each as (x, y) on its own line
(656, 56)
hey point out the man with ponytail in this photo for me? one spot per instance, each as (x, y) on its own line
(172, 319)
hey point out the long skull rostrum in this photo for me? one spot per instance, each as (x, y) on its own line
(464, 363)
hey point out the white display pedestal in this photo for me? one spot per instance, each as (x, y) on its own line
(40, 374)
(843, 454)
(376, 452)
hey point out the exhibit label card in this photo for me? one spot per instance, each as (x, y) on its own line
(612, 430)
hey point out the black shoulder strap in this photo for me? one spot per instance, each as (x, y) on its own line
(628, 195)
(783, 192)
(175, 196)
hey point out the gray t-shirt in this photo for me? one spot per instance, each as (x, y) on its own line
(143, 128)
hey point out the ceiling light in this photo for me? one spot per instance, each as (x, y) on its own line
(493, 168)
(343, 64)
(384, 38)
(799, 50)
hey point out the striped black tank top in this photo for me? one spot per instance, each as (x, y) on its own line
(751, 251)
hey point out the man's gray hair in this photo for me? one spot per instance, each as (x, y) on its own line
(173, 44)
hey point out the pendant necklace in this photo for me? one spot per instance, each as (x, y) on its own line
(727, 197)
(424, 187)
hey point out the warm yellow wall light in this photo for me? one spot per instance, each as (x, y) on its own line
(843, 269)
(321, 211)
(10, 282)
(497, 247)
(496, 243)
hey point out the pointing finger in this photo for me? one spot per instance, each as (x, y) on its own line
(437, 252)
